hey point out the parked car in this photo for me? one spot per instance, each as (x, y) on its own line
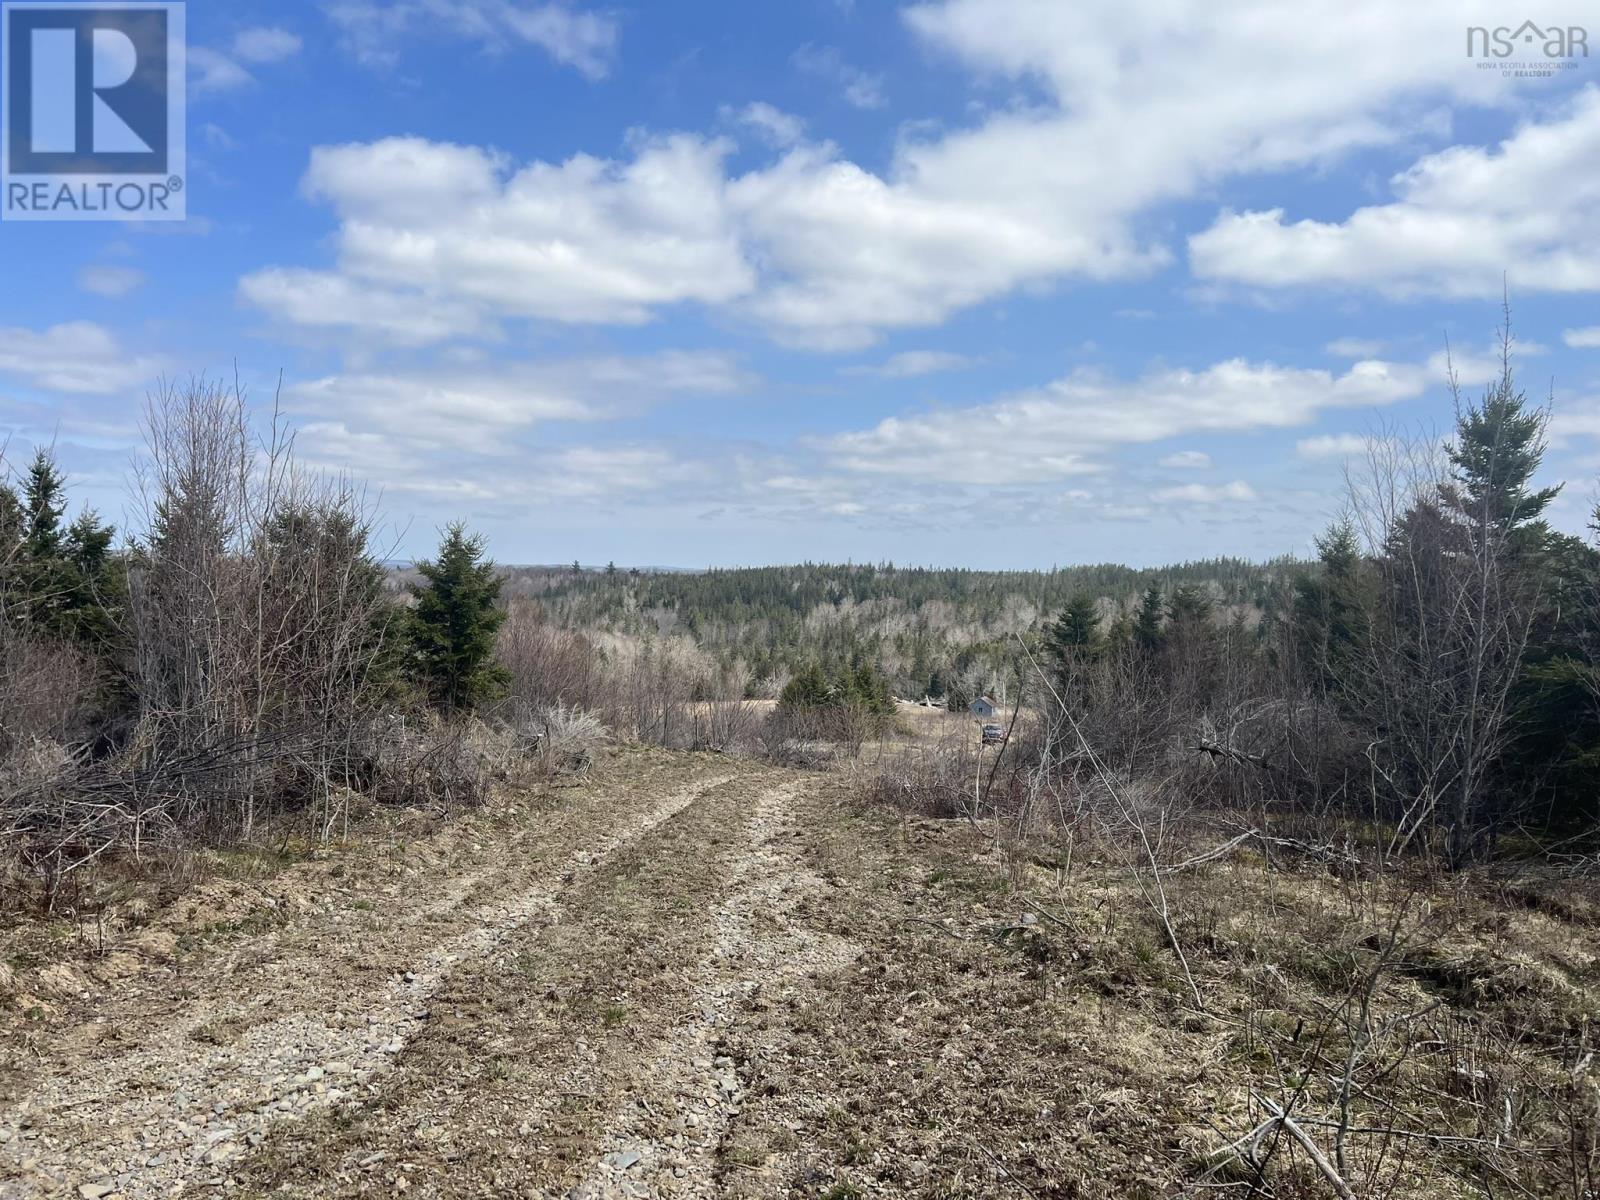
(993, 735)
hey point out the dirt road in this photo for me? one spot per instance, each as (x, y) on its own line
(689, 976)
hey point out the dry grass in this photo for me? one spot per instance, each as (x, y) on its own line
(1012, 1021)
(1462, 1021)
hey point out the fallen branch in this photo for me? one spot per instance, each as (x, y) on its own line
(1211, 855)
(1313, 1151)
(1217, 750)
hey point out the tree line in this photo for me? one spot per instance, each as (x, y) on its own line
(928, 631)
(1435, 670)
(238, 653)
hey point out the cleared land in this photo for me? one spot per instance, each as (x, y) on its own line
(698, 976)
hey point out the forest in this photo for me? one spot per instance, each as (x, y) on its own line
(243, 655)
(930, 631)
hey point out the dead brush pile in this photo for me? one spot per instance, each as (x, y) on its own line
(65, 812)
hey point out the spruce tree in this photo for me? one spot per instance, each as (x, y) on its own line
(454, 622)
(1190, 608)
(808, 688)
(1498, 447)
(1077, 628)
(44, 501)
(1330, 609)
(1147, 623)
(94, 583)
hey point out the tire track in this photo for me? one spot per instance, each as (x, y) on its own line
(665, 1141)
(172, 1113)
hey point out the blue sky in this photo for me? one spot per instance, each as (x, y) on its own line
(977, 282)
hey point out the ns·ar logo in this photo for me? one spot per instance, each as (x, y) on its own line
(1550, 41)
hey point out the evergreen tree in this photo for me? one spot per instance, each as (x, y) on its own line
(454, 622)
(1330, 609)
(871, 690)
(1077, 629)
(1147, 622)
(62, 580)
(1119, 634)
(44, 502)
(94, 583)
(1189, 609)
(12, 524)
(808, 688)
(1498, 447)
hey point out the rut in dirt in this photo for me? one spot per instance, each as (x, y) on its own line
(176, 1112)
(666, 1137)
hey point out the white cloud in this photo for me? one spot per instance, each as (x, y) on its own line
(266, 45)
(1583, 339)
(599, 472)
(212, 71)
(458, 411)
(911, 364)
(1236, 492)
(859, 88)
(849, 253)
(1331, 445)
(426, 225)
(1466, 219)
(79, 357)
(1575, 419)
(1064, 429)
(1109, 120)
(585, 41)
(325, 301)
(1475, 365)
(1187, 460)
(776, 126)
(405, 417)
(110, 281)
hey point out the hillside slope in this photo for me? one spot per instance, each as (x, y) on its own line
(696, 976)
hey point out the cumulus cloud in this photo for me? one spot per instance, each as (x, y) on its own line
(425, 224)
(80, 357)
(1583, 339)
(1187, 460)
(1064, 429)
(1463, 219)
(1109, 120)
(375, 32)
